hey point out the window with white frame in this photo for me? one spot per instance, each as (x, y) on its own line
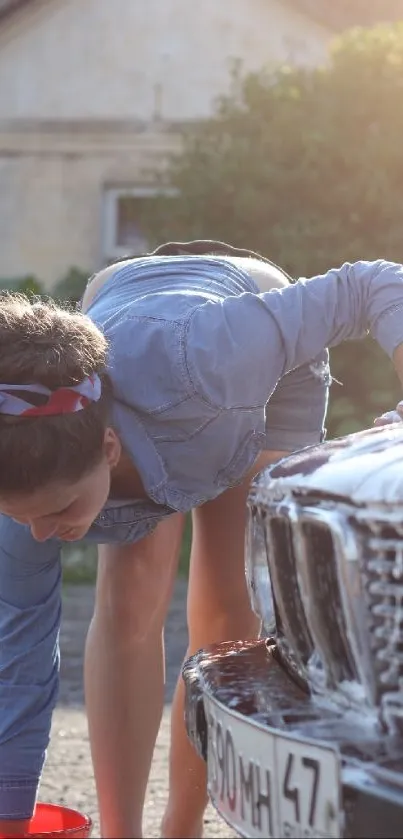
(125, 213)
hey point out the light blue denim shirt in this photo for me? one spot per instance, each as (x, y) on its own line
(206, 372)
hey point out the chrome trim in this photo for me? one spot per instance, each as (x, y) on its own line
(354, 620)
(369, 622)
(286, 637)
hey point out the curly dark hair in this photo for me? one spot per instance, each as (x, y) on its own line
(44, 343)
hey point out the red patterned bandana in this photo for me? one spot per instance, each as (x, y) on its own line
(15, 399)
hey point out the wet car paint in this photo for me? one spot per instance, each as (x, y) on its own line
(249, 678)
(361, 477)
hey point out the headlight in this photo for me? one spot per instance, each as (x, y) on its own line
(257, 570)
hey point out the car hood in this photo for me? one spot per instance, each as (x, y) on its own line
(365, 468)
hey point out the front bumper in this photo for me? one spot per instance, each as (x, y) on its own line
(248, 683)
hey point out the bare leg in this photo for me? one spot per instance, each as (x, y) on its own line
(218, 610)
(124, 671)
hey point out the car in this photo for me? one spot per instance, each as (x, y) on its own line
(302, 729)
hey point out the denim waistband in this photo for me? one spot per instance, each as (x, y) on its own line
(126, 522)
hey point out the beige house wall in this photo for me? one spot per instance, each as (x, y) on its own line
(51, 192)
(86, 88)
(128, 59)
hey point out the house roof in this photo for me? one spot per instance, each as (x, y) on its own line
(333, 14)
(341, 14)
(9, 6)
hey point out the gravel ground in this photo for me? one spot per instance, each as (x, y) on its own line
(68, 777)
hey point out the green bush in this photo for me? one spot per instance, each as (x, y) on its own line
(25, 285)
(306, 166)
(69, 288)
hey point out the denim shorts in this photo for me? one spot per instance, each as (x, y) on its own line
(127, 522)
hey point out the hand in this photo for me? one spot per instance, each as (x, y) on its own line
(391, 416)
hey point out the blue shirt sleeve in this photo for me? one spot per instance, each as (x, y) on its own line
(30, 606)
(256, 339)
(296, 411)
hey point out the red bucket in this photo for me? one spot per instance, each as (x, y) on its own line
(50, 821)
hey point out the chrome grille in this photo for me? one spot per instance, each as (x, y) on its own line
(337, 580)
(291, 619)
(381, 566)
(330, 630)
(310, 617)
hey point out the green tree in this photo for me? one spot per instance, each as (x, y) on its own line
(72, 286)
(306, 166)
(24, 285)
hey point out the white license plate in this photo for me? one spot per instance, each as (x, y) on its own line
(267, 784)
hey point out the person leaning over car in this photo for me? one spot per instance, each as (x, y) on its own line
(187, 371)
